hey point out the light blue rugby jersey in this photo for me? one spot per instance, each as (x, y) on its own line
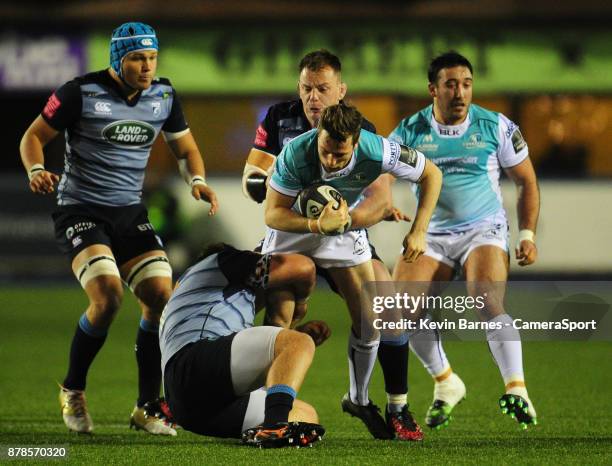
(470, 156)
(298, 165)
(109, 140)
(213, 298)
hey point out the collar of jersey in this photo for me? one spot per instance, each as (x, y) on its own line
(460, 128)
(326, 176)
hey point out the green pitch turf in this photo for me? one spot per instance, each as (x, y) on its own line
(569, 382)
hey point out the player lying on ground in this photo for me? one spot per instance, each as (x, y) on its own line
(110, 119)
(341, 154)
(319, 86)
(469, 230)
(222, 376)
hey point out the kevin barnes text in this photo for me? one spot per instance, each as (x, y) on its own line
(464, 324)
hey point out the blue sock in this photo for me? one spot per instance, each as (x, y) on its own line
(86, 343)
(148, 358)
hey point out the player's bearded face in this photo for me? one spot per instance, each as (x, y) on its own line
(452, 94)
(139, 69)
(318, 90)
(334, 155)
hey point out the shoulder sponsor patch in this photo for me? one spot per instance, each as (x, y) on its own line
(52, 105)
(517, 141)
(261, 137)
(409, 156)
(395, 150)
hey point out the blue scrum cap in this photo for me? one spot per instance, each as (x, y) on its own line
(130, 37)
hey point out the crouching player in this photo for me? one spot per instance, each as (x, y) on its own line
(224, 377)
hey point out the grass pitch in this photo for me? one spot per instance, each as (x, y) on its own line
(569, 382)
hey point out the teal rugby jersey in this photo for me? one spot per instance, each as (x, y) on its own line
(470, 156)
(298, 165)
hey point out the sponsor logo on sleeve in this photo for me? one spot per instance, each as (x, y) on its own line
(511, 128)
(409, 156)
(395, 150)
(261, 137)
(52, 105)
(517, 141)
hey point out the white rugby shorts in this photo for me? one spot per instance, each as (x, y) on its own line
(453, 248)
(346, 250)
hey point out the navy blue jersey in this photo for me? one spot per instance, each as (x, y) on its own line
(108, 138)
(284, 122)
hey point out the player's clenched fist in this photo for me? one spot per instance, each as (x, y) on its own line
(318, 330)
(414, 245)
(333, 221)
(526, 252)
(43, 182)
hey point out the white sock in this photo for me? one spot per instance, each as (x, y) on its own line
(505, 346)
(395, 403)
(361, 357)
(427, 346)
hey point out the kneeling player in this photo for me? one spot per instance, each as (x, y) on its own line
(216, 363)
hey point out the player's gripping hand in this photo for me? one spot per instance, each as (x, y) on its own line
(333, 221)
(43, 182)
(414, 245)
(526, 252)
(318, 330)
(205, 193)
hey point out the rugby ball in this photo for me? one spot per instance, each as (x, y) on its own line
(311, 200)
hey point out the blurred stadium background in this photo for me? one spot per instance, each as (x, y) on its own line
(545, 64)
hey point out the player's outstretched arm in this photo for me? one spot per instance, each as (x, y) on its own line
(431, 183)
(33, 141)
(191, 166)
(528, 209)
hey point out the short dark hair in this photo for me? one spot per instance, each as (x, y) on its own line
(449, 59)
(319, 59)
(341, 121)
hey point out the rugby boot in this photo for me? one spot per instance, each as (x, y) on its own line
(403, 425)
(447, 394)
(516, 404)
(152, 419)
(370, 416)
(74, 410)
(284, 434)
